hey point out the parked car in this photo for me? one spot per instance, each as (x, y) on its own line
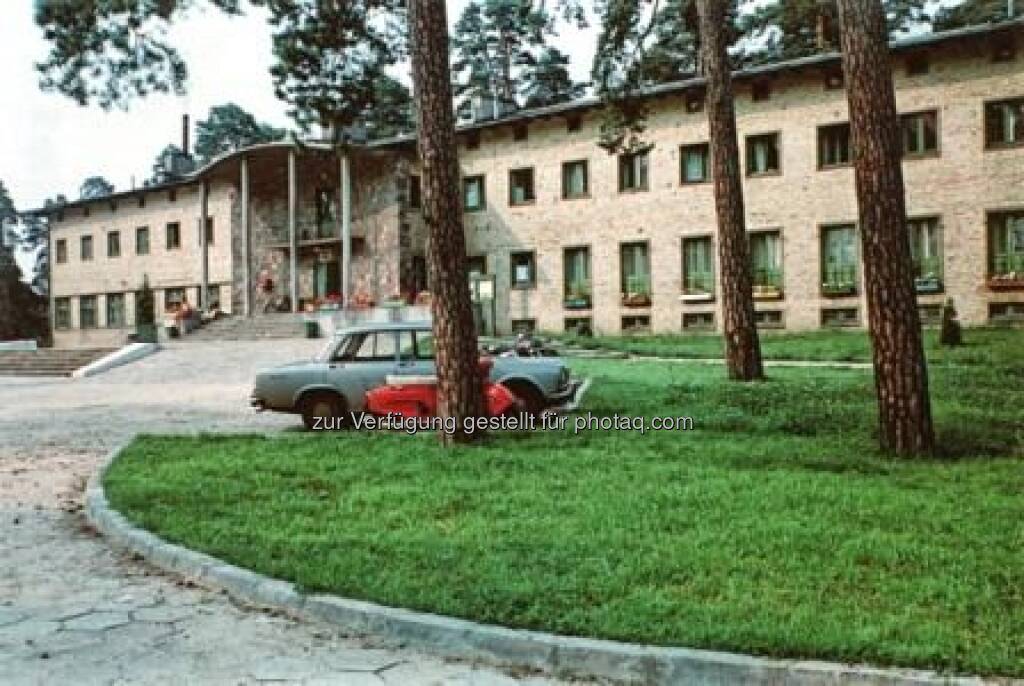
(361, 358)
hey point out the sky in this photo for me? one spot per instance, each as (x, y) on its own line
(49, 144)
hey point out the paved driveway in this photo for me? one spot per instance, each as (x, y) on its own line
(73, 611)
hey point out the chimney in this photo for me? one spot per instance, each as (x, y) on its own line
(184, 134)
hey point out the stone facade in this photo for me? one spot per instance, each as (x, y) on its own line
(958, 182)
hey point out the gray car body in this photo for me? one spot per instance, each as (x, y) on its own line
(282, 389)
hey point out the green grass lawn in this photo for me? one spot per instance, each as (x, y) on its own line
(982, 344)
(774, 527)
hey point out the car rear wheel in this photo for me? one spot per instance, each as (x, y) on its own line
(323, 411)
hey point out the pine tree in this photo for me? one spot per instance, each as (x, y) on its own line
(971, 12)
(497, 52)
(548, 82)
(95, 187)
(901, 374)
(229, 127)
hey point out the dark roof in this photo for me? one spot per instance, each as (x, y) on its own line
(905, 44)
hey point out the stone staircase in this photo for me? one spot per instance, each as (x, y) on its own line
(262, 327)
(48, 361)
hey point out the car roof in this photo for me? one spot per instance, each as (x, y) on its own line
(383, 326)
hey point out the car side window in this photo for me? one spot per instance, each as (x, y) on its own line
(424, 345)
(406, 348)
(379, 347)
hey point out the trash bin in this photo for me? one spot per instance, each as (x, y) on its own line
(312, 329)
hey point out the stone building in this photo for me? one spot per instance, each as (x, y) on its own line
(562, 235)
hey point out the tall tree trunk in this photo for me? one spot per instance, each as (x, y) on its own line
(459, 389)
(742, 347)
(901, 375)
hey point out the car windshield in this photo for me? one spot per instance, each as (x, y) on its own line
(332, 344)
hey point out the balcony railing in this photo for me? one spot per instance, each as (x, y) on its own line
(839, 280)
(638, 291)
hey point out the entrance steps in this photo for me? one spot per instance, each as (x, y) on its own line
(258, 328)
(48, 361)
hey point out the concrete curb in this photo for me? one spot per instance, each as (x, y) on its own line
(462, 639)
(123, 355)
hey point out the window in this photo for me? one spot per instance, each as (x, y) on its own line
(695, 102)
(1006, 313)
(476, 264)
(573, 123)
(209, 231)
(142, 240)
(761, 91)
(172, 195)
(839, 260)
(173, 297)
(520, 132)
(523, 269)
(766, 264)
(527, 326)
(1006, 249)
(61, 248)
(834, 79)
(62, 313)
(415, 192)
(377, 346)
(926, 253)
(698, 321)
(326, 212)
(142, 201)
(575, 181)
(636, 324)
(86, 248)
(763, 154)
(115, 310)
(835, 317)
(930, 315)
(635, 274)
(633, 171)
(212, 292)
(473, 195)
(833, 145)
(769, 319)
(694, 163)
(1004, 123)
(698, 267)
(473, 140)
(920, 133)
(579, 326)
(1004, 51)
(87, 312)
(576, 263)
(917, 65)
(173, 236)
(114, 244)
(520, 187)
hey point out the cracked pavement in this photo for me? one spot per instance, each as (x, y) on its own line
(74, 611)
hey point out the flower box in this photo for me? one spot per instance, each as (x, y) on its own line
(767, 293)
(636, 300)
(928, 284)
(697, 297)
(1014, 281)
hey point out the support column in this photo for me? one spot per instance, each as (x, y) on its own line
(246, 239)
(204, 219)
(346, 227)
(293, 238)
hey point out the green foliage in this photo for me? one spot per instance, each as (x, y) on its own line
(229, 127)
(95, 187)
(548, 81)
(8, 217)
(331, 56)
(969, 13)
(787, 29)
(495, 46)
(774, 527)
(392, 112)
(109, 51)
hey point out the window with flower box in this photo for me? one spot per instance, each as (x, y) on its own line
(1006, 250)
(635, 274)
(839, 260)
(926, 254)
(698, 268)
(576, 265)
(766, 264)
